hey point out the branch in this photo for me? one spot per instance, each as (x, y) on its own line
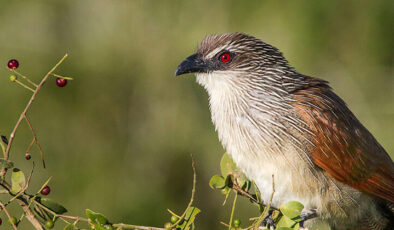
(36, 140)
(23, 114)
(8, 215)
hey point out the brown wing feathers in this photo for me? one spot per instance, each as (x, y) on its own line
(344, 148)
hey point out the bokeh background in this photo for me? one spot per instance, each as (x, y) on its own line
(118, 138)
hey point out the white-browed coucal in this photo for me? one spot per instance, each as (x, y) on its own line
(273, 120)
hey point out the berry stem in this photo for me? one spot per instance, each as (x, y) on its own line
(62, 77)
(36, 140)
(31, 144)
(8, 215)
(173, 213)
(23, 114)
(23, 85)
(232, 211)
(44, 185)
(24, 77)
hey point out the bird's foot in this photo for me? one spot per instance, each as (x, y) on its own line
(307, 215)
(268, 222)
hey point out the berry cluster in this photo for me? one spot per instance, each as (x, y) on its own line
(13, 64)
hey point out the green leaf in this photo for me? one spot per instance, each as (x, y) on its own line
(243, 181)
(286, 222)
(6, 164)
(292, 209)
(18, 180)
(284, 228)
(99, 221)
(217, 182)
(52, 205)
(226, 165)
(229, 181)
(190, 215)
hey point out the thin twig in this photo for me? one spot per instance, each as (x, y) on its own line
(232, 210)
(59, 215)
(45, 184)
(192, 196)
(8, 215)
(59, 76)
(24, 77)
(31, 144)
(23, 114)
(36, 140)
(237, 188)
(29, 214)
(267, 208)
(23, 85)
(172, 213)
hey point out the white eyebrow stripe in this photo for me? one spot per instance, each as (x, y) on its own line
(215, 51)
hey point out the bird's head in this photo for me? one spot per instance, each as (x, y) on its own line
(232, 53)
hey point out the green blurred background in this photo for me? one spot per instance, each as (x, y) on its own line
(118, 138)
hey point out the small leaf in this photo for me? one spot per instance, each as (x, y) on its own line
(52, 205)
(284, 228)
(275, 215)
(286, 222)
(217, 182)
(229, 181)
(190, 215)
(244, 183)
(6, 164)
(292, 209)
(4, 139)
(18, 180)
(99, 221)
(227, 164)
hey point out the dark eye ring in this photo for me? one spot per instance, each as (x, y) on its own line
(225, 57)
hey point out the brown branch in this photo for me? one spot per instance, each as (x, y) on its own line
(31, 144)
(29, 214)
(36, 140)
(242, 192)
(23, 114)
(26, 207)
(8, 215)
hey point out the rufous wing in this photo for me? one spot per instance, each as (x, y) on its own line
(343, 147)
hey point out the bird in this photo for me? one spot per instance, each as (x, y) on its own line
(273, 120)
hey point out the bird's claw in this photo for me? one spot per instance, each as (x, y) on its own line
(268, 222)
(307, 215)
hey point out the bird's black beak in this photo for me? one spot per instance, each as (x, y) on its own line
(192, 64)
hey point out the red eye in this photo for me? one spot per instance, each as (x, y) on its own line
(225, 57)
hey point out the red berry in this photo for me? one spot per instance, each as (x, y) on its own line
(46, 190)
(61, 82)
(1, 221)
(13, 64)
(27, 156)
